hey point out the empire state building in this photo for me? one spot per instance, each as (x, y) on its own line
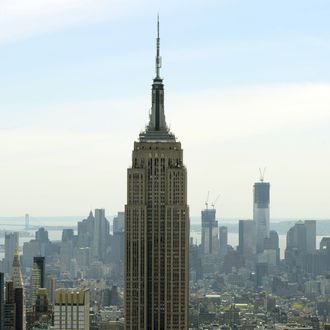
(157, 225)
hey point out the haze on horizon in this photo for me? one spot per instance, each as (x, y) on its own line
(246, 86)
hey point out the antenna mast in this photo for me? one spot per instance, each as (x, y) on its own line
(158, 57)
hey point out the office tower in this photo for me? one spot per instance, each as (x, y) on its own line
(272, 243)
(210, 232)
(119, 223)
(247, 238)
(157, 225)
(37, 277)
(2, 299)
(73, 268)
(41, 306)
(118, 240)
(42, 235)
(20, 308)
(31, 249)
(101, 235)
(18, 286)
(86, 231)
(67, 235)
(310, 235)
(297, 255)
(261, 212)
(296, 237)
(261, 273)
(223, 238)
(11, 243)
(71, 309)
(27, 221)
(9, 307)
(40, 262)
(16, 275)
(35, 282)
(51, 287)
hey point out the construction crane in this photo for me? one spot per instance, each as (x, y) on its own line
(207, 200)
(213, 204)
(262, 174)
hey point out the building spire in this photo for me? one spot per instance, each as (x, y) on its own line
(158, 57)
(157, 129)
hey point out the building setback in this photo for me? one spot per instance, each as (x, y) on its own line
(157, 225)
(71, 309)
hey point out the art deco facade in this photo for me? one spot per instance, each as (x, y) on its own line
(156, 226)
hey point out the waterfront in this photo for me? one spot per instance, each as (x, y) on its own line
(17, 224)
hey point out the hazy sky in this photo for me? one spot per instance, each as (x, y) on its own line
(247, 85)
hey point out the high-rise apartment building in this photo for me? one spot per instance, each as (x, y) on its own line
(261, 194)
(71, 309)
(157, 225)
(11, 243)
(210, 232)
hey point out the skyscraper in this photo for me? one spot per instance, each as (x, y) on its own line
(71, 309)
(40, 262)
(118, 223)
(310, 235)
(37, 277)
(157, 225)
(101, 234)
(11, 243)
(247, 238)
(2, 299)
(261, 212)
(18, 286)
(86, 231)
(223, 240)
(210, 232)
(9, 307)
(35, 283)
(16, 275)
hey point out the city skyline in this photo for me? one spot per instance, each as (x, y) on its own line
(259, 97)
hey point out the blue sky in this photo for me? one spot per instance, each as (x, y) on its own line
(247, 86)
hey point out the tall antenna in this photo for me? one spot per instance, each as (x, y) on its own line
(262, 174)
(158, 57)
